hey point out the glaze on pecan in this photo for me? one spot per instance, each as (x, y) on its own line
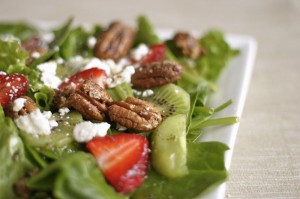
(115, 42)
(188, 44)
(156, 74)
(134, 113)
(91, 100)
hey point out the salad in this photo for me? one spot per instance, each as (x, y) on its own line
(109, 112)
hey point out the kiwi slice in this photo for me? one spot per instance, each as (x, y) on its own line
(61, 136)
(170, 100)
(169, 152)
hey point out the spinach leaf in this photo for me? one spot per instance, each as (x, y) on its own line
(11, 56)
(75, 44)
(20, 30)
(217, 55)
(206, 168)
(75, 176)
(14, 163)
(145, 32)
(60, 36)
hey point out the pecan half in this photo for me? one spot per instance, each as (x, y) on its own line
(115, 42)
(35, 47)
(91, 100)
(28, 107)
(188, 44)
(134, 113)
(156, 74)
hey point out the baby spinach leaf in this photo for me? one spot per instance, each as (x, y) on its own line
(14, 163)
(75, 176)
(20, 30)
(206, 168)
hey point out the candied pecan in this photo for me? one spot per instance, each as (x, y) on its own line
(35, 47)
(156, 74)
(28, 107)
(188, 44)
(115, 42)
(91, 100)
(61, 97)
(134, 113)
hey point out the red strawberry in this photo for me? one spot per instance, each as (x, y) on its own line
(12, 86)
(157, 53)
(123, 159)
(96, 74)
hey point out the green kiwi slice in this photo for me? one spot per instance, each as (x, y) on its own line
(170, 100)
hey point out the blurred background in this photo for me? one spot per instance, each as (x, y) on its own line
(266, 159)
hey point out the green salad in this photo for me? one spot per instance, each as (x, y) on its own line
(109, 111)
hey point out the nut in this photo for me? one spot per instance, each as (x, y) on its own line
(115, 42)
(34, 45)
(156, 74)
(188, 45)
(134, 113)
(91, 100)
(28, 107)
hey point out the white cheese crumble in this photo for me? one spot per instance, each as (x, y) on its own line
(35, 55)
(85, 131)
(2, 73)
(139, 52)
(147, 93)
(49, 77)
(63, 111)
(35, 123)
(60, 60)
(48, 37)
(18, 104)
(91, 42)
(13, 144)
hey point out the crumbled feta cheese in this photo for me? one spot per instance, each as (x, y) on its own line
(85, 131)
(49, 77)
(60, 60)
(77, 58)
(18, 104)
(13, 144)
(35, 55)
(48, 37)
(147, 93)
(121, 77)
(2, 73)
(119, 127)
(63, 111)
(139, 52)
(91, 42)
(35, 123)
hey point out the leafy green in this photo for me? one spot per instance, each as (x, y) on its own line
(60, 36)
(121, 91)
(206, 168)
(14, 163)
(75, 176)
(145, 32)
(75, 44)
(217, 55)
(20, 30)
(11, 56)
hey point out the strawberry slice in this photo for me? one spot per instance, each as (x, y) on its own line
(12, 86)
(96, 74)
(123, 159)
(157, 53)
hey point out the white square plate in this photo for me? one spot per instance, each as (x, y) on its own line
(233, 84)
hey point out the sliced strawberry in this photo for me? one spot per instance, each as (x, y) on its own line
(96, 74)
(12, 86)
(157, 53)
(123, 159)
